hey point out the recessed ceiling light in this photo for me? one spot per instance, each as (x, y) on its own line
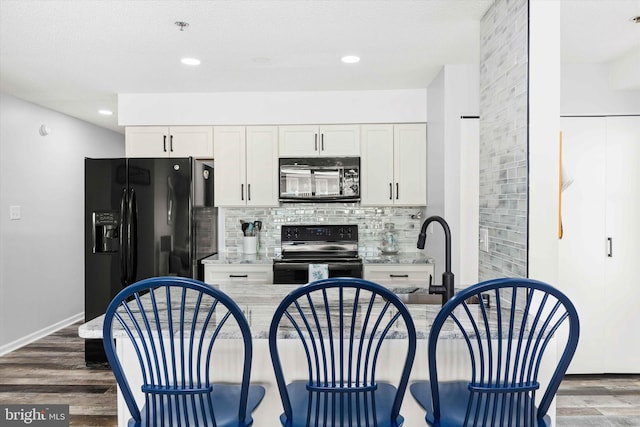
(105, 112)
(350, 59)
(261, 60)
(190, 61)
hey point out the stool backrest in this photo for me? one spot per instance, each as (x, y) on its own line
(173, 324)
(342, 324)
(507, 325)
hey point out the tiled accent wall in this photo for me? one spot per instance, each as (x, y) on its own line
(503, 138)
(370, 220)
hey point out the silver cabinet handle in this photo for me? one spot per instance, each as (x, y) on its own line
(322, 142)
(610, 243)
(315, 141)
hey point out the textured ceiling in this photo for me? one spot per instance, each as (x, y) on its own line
(76, 56)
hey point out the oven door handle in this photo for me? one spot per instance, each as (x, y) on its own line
(338, 265)
(305, 265)
(291, 266)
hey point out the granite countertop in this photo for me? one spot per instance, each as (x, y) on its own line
(259, 302)
(400, 258)
(240, 258)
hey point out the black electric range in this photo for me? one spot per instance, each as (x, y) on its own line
(304, 245)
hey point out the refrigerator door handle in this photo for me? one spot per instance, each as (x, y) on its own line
(133, 236)
(169, 200)
(123, 245)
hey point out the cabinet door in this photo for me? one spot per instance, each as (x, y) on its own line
(229, 167)
(262, 166)
(191, 141)
(339, 140)
(376, 165)
(410, 164)
(400, 275)
(147, 141)
(224, 274)
(298, 141)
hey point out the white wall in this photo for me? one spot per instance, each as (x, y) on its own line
(434, 246)
(586, 89)
(256, 108)
(452, 94)
(41, 255)
(544, 139)
(462, 94)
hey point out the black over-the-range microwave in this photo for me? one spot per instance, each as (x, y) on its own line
(319, 179)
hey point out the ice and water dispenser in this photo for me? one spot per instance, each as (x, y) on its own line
(106, 233)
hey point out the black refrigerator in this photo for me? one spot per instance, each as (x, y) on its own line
(144, 217)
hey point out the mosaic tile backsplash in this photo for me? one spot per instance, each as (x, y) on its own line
(370, 220)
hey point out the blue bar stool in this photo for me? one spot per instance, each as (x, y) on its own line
(341, 326)
(505, 343)
(173, 324)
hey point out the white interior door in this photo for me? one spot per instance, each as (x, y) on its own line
(581, 249)
(622, 354)
(600, 246)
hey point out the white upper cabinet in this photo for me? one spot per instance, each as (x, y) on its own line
(376, 165)
(262, 166)
(394, 165)
(175, 141)
(325, 140)
(246, 160)
(229, 165)
(410, 164)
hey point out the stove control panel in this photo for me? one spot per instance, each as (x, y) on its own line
(320, 233)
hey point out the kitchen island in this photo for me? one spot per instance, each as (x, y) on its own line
(258, 303)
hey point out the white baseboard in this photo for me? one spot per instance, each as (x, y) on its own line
(21, 342)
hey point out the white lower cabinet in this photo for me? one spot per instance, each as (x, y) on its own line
(400, 275)
(223, 274)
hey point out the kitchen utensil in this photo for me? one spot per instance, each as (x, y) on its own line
(245, 227)
(258, 225)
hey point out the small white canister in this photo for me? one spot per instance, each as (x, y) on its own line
(250, 244)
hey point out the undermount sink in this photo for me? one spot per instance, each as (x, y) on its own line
(420, 298)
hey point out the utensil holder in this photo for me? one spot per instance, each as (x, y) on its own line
(250, 244)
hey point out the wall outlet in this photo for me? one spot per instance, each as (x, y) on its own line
(484, 240)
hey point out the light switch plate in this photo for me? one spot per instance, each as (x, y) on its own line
(14, 212)
(484, 240)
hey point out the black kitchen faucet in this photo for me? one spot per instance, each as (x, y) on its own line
(446, 289)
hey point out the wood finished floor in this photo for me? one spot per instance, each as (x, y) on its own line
(52, 370)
